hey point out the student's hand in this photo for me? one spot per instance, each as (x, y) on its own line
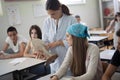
(40, 55)
(33, 55)
(2, 56)
(54, 78)
(46, 47)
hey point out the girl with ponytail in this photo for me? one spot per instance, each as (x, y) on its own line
(54, 30)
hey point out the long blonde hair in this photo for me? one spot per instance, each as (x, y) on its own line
(79, 47)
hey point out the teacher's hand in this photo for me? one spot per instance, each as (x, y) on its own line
(55, 44)
(54, 78)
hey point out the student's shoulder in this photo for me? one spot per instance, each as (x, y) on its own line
(8, 39)
(70, 49)
(92, 46)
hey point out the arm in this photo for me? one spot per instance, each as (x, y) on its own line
(66, 63)
(115, 62)
(109, 72)
(19, 54)
(91, 70)
(5, 47)
(26, 52)
(111, 25)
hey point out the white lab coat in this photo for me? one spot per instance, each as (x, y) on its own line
(51, 34)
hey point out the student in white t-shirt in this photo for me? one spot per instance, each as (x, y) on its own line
(14, 45)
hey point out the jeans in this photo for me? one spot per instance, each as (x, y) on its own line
(40, 69)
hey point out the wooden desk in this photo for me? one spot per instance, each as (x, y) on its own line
(106, 55)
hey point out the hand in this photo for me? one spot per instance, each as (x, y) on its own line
(46, 47)
(51, 59)
(40, 55)
(54, 78)
(2, 56)
(54, 44)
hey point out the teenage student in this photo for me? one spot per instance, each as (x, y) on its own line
(79, 19)
(115, 62)
(82, 57)
(14, 45)
(115, 23)
(35, 34)
(54, 29)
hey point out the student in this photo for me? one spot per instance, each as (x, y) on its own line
(54, 30)
(115, 62)
(14, 45)
(35, 34)
(79, 20)
(82, 57)
(115, 23)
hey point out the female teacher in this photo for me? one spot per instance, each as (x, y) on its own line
(54, 29)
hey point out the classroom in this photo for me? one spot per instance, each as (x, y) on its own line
(59, 39)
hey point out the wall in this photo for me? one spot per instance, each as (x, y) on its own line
(89, 13)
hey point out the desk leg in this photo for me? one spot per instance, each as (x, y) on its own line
(17, 75)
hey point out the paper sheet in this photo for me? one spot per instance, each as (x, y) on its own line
(13, 15)
(18, 60)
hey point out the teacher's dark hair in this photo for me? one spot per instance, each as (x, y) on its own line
(55, 5)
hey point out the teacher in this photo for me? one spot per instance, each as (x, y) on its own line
(54, 29)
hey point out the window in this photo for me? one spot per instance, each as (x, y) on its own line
(71, 2)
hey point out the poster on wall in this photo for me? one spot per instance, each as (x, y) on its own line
(13, 15)
(39, 10)
(72, 2)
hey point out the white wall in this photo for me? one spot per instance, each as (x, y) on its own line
(89, 13)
